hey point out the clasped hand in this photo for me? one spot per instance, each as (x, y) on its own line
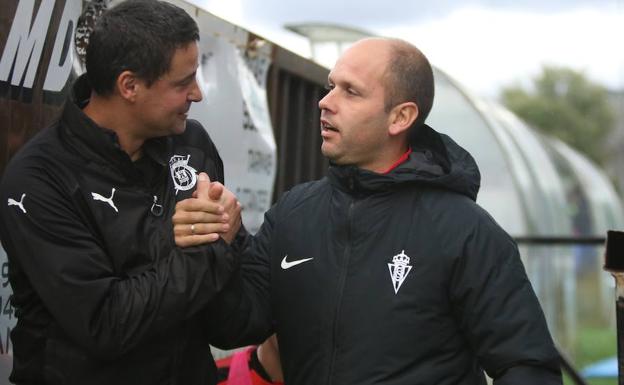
(212, 212)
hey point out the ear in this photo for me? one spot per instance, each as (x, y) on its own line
(128, 85)
(402, 117)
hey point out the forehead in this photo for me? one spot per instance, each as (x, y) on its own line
(363, 62)
(184, 59)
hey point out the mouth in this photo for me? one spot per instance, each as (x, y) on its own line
(185, 112)
(326, 126)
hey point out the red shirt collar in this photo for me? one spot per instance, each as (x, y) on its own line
(402, 159)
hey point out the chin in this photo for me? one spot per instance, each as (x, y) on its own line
(332, 157)
(330, 152)
(179, 128)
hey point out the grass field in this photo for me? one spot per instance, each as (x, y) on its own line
(594, 344)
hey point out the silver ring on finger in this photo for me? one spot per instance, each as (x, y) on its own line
(193, 229)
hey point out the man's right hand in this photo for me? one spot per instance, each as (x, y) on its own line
(232, 209)
(212, 212)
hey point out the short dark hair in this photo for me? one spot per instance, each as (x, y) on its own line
(409, 78)
(139, 36)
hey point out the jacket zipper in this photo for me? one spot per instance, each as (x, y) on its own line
(341, 285)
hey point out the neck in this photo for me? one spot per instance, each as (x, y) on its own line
(399, 161)
(99, 110)
(388, 159)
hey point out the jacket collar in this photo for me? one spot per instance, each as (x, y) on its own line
(436, 161)
(100, 144)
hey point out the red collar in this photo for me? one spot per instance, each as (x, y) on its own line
(402, 159)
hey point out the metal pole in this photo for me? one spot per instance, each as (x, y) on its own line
(614, 263)
(568, 367)
(620, 337)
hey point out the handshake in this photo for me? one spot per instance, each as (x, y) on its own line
(212, 212)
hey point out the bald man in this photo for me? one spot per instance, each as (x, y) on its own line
(387, 271)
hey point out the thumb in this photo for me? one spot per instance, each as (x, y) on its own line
(203, 185)
(216, 190)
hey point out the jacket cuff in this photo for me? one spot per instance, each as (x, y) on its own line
(526, 374)
(240, 242)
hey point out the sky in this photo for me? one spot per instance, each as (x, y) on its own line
(483, 44)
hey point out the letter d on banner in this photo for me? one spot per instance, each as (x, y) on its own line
(63, 52)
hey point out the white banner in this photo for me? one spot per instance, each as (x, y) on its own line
(235, 113)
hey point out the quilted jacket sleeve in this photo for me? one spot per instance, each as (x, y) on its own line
(59, 264)
(245, 308)
(498, 311)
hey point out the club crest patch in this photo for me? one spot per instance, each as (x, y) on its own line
(399, 269)
(184, 176)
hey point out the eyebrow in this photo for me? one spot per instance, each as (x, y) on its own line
(186, 78)
(347, 83)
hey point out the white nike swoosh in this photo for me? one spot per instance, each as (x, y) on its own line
(287, 265)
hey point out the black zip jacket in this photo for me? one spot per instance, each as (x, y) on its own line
(396, 279)
(102, 294)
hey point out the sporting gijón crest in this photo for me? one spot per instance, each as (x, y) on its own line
(399, 269)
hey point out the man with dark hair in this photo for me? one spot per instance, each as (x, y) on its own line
(102, 293)
(112, 46)
(387, 271)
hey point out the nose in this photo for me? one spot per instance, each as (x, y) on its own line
(325, 102)
(195, 94)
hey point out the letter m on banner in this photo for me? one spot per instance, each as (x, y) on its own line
(22, 51)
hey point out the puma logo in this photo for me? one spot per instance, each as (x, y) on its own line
(99, 197)
(20, 204)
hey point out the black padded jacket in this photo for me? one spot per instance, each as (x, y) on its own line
(394, 279)
(101, 293)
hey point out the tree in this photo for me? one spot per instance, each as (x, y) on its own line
(566, 104)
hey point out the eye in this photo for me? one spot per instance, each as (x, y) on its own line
(329, 86)
(351, 91)
(185, 83)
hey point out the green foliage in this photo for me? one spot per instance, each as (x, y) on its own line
(565, 104)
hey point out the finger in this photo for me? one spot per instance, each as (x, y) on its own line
(184, 221)
(194, 240)
(204, 205)
(200, 228)
(189, 217)
(216, 191)
(215, 225)
(204, 228)
(234, 212)
(234, 223)
(228, 199)
(203, 185)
